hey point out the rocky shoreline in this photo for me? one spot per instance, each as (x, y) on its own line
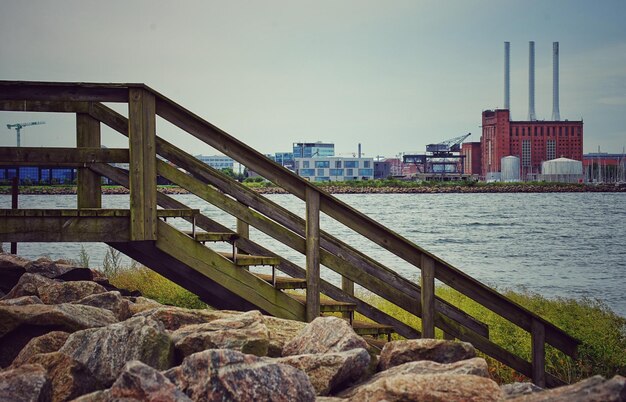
(67, 334)
(342, 189)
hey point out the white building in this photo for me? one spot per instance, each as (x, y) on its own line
(335, 168)
(218, 162)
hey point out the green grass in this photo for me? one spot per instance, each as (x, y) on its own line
(602, 332)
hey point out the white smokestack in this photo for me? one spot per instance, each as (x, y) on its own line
(507, 75)
(531, 81)
(556, 115)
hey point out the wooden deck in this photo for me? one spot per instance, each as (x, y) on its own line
(144, 231)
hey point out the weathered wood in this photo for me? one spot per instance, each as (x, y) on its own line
(212, 236)
(447, 336)
(244, 260)
(227, 274)
(538, 361)
(44, 106)
(89, 183)
(243, 229)
(312, 255)
(15, 189)
(15, 228)
(60, 157)
(428, 297)
(142, 167)
(327, 305)
(282, 282)
(372, 329)
(64, 91)
(92, 212)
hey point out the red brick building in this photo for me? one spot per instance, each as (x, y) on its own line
(532, 141)
(472, 163)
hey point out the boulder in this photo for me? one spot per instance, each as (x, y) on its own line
(69, 378)
(140, 304)
(245, 333)
(27, 383)
(324, 335)
(441, 351)
(112, 301)
(281, 332)
(12, 267)
(476, 366)
(106, 350)
(593, 389)
(516, 389)
(139, 382)
(50, 342)
(20, 324)
(52, 291)
(330, 371)
(21, 301)
(60, 269)
(175, 317)
(227, 375)
(429, 387)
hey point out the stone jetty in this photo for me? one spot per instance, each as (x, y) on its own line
(67, 334)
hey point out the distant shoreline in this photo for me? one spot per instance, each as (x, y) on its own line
(354, 189)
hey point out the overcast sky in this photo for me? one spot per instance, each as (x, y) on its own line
(392, 75)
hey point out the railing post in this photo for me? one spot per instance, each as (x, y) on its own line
(15, 189)
(142, 167)
(89, 183)
(538, 336)
(428, 297)
(243, 231)
(312, 254)
(348, 287)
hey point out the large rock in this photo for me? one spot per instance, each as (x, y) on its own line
(12, 267)
(52, 291)
(227, 375)
(69, 378)
(106, 350)
(429, 387)
(324, 335)
(141, 304)
(516, 389)
(593, 389)
(59, 269)
(21, 301)
(175, 317)
(331, 371)
(281, 332)
(112, 301)
(441, 351)
(139, 382)
(50, 342)
(245, 333)
(20, 324)
(27, 383)
(476, 366)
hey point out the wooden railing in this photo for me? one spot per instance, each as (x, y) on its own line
(302, 235)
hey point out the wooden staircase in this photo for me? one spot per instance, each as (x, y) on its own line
(145, 231)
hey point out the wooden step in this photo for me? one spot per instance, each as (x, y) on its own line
(213, 236)
(372, 329)
(328, 305)
(245, 260)
(284, 282)
(94, 212)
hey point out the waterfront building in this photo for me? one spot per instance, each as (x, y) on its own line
(218, 162)
(605, 167)
(38, 175)
(335, 168)
(534, 142)
(390, 167)
(472, 157)
(284, 159)
(313, 149)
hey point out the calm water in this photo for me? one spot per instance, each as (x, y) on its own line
(571, 245)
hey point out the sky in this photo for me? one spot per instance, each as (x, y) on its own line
(391, 75)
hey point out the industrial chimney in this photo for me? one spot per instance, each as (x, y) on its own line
(556, 115)
(531, 81)
(507, 75)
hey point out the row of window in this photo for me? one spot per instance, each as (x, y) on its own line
(567, 131)
(336, 172)
(337, 164)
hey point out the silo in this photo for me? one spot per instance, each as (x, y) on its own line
(562, 170)
(510, 171)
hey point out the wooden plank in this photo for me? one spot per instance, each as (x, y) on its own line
(224, 272)
(91, 212)
(538, 337)
(326, 305)
(212, 236)
(312, 255)
(89, 183)
(244, 260)
(243, 229)
(44, 106)
(64, 91)
(283, 282)
(64, 229)
(62, 157)
(428, 297)
(142, 167)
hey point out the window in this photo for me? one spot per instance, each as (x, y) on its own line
(305, 164)
(351, 164)
(526, 153)
(366, 164)
(307, 172)
(320, 172)
(551, 149)
(349, 172)
(366, 172)
(322, 164)
(336, 172)
(338, 164)
(322, 179)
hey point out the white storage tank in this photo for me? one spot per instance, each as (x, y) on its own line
(562, 170)
(509, 167)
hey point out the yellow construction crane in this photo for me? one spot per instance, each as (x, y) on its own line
(19, 126)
